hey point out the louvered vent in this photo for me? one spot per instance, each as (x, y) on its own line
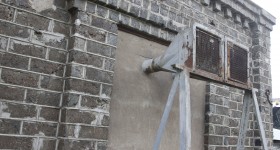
(207, 52)
(238, 63)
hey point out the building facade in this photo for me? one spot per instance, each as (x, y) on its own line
(60, 80)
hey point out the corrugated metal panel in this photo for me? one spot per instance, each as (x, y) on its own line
(207, 52)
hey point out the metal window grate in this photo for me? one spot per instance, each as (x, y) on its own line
(238, 64)
(207, 52)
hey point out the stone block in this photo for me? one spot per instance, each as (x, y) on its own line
(53, 40)
(31, 20)
(77, 43)
(95, 103)
(39, 128)
(237, 18)
(82, 86)
(134, 10)
(14, 61)
(47, 67)
(50, 114)
(154, 7)
(27, 49)
(51, 83)
(213, 140)
(78, 116)
(91, 7)
(98, 48)
(57, 55)
(85, 58)
(205, 2)
(3, 43)
(102, 11)
(106, 91)
(20, 78)
(114, 15)
(43, 98)
(5, 93)
(6, 12)
(9, 126)
(58, 14)
(104, 24)
(23, 4)
(100, 133)
(228, 13)
(61, 28)
(235, 114)
(112, 39)
(74, 71)
(221, 110)
(123, 5)
(11, 142)
(91, 33)
(70, 100)
(222, 130)
(60, 3)
(98, 75)
(10, 110)
(66, 144)
(217, 6)
(105, 120)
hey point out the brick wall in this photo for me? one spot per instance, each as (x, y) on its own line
(57, 64)
(33, 50)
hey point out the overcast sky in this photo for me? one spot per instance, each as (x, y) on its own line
(273, 6)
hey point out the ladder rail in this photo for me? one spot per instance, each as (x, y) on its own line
(244, 120)
(258, 115)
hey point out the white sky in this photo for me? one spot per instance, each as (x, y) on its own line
(273, 6)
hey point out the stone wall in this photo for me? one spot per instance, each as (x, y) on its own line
(57, 64)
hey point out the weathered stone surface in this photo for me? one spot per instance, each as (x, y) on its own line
(14, 61)
(99, 75)
(78, 116)
(51, 83)
(28, 19)
(66, 144)
(27, 49)
(70, 100)
(82, 86)
(57, 55)
(94, 132)
(20, 78)
(6, 12)
(84, 58)
(43, 98)
(5, 93)
(17, 110)
(213, 140)
(91, 33)
(57, 14)
(37, 128)
(61, 28)
(74, 71)
(46, 67)
(50, 114)
(102, 23)
(24, 4)
(95, 103)
(9, 126)
(10, 142)
(98, 48)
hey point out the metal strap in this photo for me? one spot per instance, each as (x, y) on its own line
(258, 115)
(244, 120)
(166, 112)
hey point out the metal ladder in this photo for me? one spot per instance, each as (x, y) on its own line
(245, 117)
